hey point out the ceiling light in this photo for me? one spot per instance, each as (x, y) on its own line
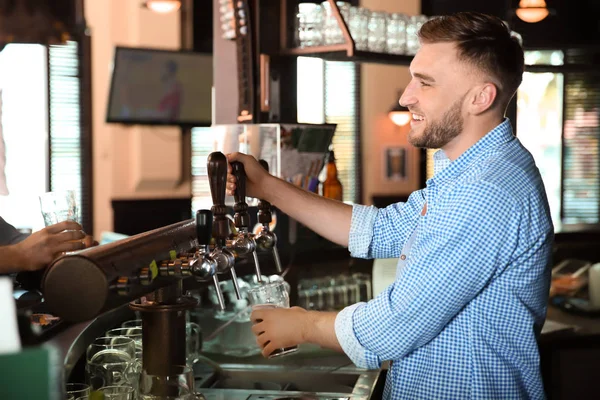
(399, 114)
(532, 10)
(162, 6)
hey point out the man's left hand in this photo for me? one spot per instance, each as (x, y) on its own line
(278, 328)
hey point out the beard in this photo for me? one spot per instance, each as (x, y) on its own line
(439, 133)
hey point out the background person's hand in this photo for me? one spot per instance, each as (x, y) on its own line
(43, 246)
(278, 328)
(256, 176)
(89, 241)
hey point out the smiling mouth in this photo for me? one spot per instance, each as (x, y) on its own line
(416, 118)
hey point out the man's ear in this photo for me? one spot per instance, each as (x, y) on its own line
(484, 98)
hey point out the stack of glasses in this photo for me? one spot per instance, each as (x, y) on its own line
(380, 32)
(114, 367)
(334, 292)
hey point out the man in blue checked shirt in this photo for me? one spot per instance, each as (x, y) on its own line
(469, 300)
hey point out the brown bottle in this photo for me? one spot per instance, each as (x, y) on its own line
(332, 187)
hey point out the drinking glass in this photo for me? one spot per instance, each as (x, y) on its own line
(111, 362)
(117, 392)
(359, 27)
(310, 21)
(77, 390)
(193, 342)
(352, 289)
(234, 336)
(412, 29)
(340, 292)
(133, 323)
(192, 331)
(396, 33)
(271, 295)
(364, 286)
(178, 384)
(134, 333)
(333, 33)
(377, 32)
(59, 206)
(327, 292)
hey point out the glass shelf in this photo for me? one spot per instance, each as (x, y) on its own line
(343, 52)
(338, 52)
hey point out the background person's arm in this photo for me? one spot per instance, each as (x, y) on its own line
(9, 234)
(42, 247)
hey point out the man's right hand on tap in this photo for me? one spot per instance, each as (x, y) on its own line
(328, 218)
(257, 178)
(42, 247)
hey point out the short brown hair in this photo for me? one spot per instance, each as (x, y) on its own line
(485, 42)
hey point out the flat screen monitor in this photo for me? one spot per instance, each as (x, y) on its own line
(160, 87)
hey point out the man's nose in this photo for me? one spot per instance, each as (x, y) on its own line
(407, 98)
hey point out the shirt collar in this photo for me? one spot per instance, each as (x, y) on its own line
(444, 169)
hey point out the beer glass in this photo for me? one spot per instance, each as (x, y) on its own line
(271, 295)
(111, 362)
(179, 384)
(132, 323)
(59, 206)
(77, 390)
(134, 333)
(193, 338)
(117, 393)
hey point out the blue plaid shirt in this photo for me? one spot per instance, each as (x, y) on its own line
(469, 300)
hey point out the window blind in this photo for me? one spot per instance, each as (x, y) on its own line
(202, 146)
(581, 142)
(342, 108)
(65, 106)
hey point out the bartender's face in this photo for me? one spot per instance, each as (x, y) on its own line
(436, 95)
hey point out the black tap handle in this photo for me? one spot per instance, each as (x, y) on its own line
(237, 168)
(217, 177)
(216, 165)
(241, 217)
(264, 207)
(204, 220)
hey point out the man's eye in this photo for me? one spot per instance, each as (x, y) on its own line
(424, 84)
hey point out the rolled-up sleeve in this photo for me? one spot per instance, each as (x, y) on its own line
(361, 230)
(381, 233)
(344, 332)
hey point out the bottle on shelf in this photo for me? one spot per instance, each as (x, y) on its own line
(332, 187)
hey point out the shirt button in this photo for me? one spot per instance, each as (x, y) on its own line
(403, 257)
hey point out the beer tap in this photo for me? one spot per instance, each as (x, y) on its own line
(266, 239)
(203, 266)
(217, 177)
(244, 242)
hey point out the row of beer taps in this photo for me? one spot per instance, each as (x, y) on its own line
(217, 250)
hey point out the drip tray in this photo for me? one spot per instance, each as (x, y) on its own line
(258, 382)
(281, 380)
